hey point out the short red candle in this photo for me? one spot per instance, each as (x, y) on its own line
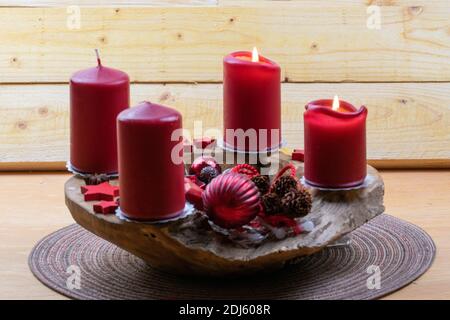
(97, 96)
(151, 183)
(335, 144)
(251, 96)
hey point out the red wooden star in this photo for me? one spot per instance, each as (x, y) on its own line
(102, 191)
(204, 143)
(105, 207)
(193, 193)
(298, 155)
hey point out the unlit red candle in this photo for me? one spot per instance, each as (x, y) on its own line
(97, 96)
(151, 182)
(335, 144)
(251, 100)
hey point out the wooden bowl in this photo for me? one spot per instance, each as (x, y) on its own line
(187, 246)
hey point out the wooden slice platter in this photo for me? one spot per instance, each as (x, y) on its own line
(189, 246)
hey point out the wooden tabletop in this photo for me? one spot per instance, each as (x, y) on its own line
(33, 206)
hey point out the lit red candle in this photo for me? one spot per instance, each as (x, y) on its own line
(335, 144)
(151, 182)
(251, 85)
(97, 96)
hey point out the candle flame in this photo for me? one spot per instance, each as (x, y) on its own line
(255, 55)
(335, 103)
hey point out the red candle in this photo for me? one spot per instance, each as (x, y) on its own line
(97, 96)
(251, 85)
(151, 182)
(335, 144)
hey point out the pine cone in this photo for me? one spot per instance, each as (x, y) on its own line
(297, 203)
(284, 184)
(262, 183)
(207, 174)
(94, 179)
(271, 203)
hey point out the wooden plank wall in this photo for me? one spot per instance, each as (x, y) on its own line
(173, 53)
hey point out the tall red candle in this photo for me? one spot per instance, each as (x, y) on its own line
(335, 144)
(251, 96)
(97, 96)
(151, 182)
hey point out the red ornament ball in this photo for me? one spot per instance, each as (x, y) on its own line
(203, 162)
(231, 200)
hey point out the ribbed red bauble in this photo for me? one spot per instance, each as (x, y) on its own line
(231, 200)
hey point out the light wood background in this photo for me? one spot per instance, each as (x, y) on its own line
(173, 53)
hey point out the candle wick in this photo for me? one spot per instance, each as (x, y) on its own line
(99, 62)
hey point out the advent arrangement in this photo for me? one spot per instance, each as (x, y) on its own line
(137, 167)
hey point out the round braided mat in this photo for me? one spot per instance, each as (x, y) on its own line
(401, 250)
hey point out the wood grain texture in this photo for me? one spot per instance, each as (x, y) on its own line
(106, 3)
(22, 225)
(408, 123)
(169, 3)
(312, 41)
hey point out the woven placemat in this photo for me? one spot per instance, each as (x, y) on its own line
(396, 250)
